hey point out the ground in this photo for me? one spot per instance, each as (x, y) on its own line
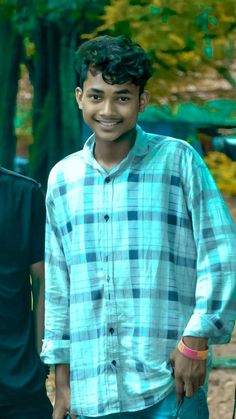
(222, 381)
(222, 384)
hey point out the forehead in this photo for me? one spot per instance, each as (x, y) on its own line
(96, 83)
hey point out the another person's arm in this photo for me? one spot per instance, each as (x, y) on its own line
(62, 397)
(36, 259)
(38, 290)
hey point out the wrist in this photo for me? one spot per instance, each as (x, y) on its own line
(62, 376)
(195, 354)
(197, 343)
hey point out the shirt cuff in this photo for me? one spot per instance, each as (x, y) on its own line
(209, 326)
(55, 352)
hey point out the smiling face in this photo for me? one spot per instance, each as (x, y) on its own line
(110, 110)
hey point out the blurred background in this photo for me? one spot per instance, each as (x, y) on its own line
(193, 48)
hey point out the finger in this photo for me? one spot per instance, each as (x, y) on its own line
(189, 389)
(70, 416)
(202, 380)
(179, 389)
(60, 413)
(172, 358)
(196, 386)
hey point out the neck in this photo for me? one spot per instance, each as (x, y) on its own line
(109, 154)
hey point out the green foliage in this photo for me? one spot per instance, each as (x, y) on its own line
(23, 11)
(45, 34)
(181, 36)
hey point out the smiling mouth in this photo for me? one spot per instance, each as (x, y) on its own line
(108, 124)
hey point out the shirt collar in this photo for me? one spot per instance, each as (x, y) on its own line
(139, 149)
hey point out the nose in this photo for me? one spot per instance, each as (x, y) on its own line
(107, 108)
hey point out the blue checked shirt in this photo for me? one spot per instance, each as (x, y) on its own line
(135, 258)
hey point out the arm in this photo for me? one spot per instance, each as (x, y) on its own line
(214, 233)
(62, 397)
(215, 237)
(56, 344)
(37, 276)
(36, 260)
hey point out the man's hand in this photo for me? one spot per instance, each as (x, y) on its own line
(62, 403)
(189, 374)
(62, 397)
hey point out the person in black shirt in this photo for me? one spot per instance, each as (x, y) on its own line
(22, 373)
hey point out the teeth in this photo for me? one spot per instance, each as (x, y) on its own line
(108, 124)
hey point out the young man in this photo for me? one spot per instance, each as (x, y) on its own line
(140, 251)
(22, 373)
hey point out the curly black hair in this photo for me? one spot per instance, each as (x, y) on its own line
(119, 59)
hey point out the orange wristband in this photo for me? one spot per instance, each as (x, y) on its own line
(192, 353)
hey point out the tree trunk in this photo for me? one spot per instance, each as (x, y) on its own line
(56, 120)
(11, 51)
(70, 114)
(43, 110)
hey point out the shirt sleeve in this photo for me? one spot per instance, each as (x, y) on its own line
(56, 341)
(215, 237)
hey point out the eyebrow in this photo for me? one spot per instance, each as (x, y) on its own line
(118, 92)
(123, 91)
(93, 90)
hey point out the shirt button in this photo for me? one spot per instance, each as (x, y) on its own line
(113, 362)
(108, 179)
(106, 217)
(111, 330)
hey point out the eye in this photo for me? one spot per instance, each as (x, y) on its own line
(123, 99)
(95, 98)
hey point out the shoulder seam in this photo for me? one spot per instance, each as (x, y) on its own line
(18, 175)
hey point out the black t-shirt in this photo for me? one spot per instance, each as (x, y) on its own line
(22, 221)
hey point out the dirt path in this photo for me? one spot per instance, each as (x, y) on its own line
(223, 380)
(222, 383)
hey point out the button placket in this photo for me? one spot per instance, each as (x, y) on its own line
(112, 344)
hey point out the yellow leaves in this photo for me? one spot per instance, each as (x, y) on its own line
(184, 36)
(176, 40)
(215, 159)
(219, 46)
(156, 3)
(116, 11)
(168, 59)
(189, 57)
(223, 170)
(29, 47)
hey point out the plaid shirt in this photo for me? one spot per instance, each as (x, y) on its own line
(135, 258)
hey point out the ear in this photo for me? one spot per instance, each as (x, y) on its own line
(144, 100)
(79, 96)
